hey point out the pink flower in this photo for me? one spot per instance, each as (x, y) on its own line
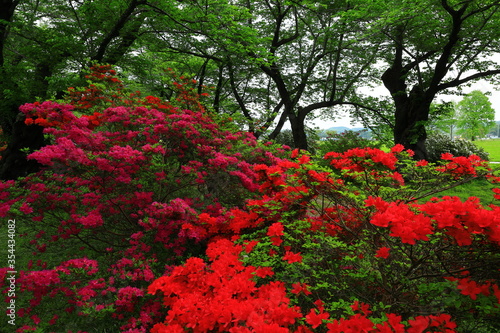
(26, 209)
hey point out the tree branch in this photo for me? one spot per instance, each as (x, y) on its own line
(457, 82)
(115, 31)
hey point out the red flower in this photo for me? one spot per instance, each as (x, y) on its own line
(250, 245)
(276, 229)
(262, 272)
(276, 240)
(382, 252)
(292, 257)
(300, 288)
(315, 319)
(497, 193)
(361, 307)
(418, 325)
(469, 288)
(304, 159)
(397, 148)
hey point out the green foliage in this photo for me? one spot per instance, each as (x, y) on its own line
(342, 142)
(495, 131)
(475, 115)
(438, 144)
(475, 318)
(285, 137)
(443, 118)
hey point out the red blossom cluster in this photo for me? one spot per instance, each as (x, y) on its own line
(473, 289)
(190, 93)
(104, 90)
(461, 165)
(47, 114)
(284, 190)
(225, 296)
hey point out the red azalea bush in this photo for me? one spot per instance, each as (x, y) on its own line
(151, 217)
(346, 252)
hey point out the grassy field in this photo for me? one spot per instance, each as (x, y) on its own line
(492, 147)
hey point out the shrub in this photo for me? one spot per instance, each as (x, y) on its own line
(127, 191)
(438, 144)
(342, 142)
(162, 219)
(364, 251)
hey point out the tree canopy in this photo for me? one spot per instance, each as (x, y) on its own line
(148, 208)
(430, 47)
(45, 45)
(476, 116)
(270, 62)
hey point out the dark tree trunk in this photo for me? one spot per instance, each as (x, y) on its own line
(411, 109)
(7, 8)
(297, 122)
(41, 75)
(14, 163)
(8, 111)
(411, 118)
(279, 126)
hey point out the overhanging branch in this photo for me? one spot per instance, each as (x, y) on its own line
(458, 82)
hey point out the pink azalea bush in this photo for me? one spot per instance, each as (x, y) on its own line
(128, 187)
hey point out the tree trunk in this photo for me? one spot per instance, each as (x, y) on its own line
(41, 75)
(7, 8)
(115, 32)
(410, 121)
(8, 109)
(297, 122)
(412, 109)
(279, 126)
(14, 163)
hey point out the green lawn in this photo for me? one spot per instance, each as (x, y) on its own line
(492, 147)
(480, 187)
